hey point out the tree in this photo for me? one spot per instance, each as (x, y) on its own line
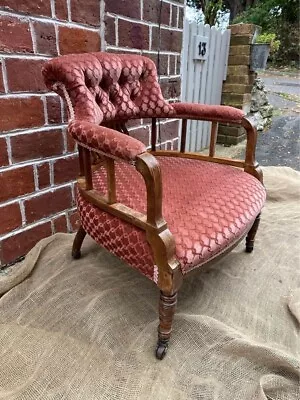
(280, 17)
(210, 8)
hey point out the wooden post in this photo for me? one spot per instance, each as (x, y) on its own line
(153, 134)
(183, 136)
(87, 168)
(111, 180)
(213, 139)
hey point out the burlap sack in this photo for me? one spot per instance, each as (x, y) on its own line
(86, 329)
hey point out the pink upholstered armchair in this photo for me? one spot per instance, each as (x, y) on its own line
(165, 213)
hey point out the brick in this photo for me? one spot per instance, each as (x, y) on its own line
(151, 11)
(15, 36)
(163, 62)
(170, 40)
(230, 140)
(178, 65)
(71, 144)
(65, 170)
(230, 130)
(74, 220)
(2, 89)
(47, 204)
(45, 38)
(10, 217)
(242, 29)
(240, 40)
(238, 70)
(169, 131)
(170, 88)
(165, 13)
(236, 88)
(25, 75)
(239, 50)
(252, 77)
(173, 65)
(36, 145)
(3, 152)
(174, 17)
(65, 112)
(132, 123)
(110, 30)
(232, 98)
(61, 9)
(86, 11)
(141, 134)
(180, 18)
(133, 35)
(239, 60)
(122, 7)
(20, 244)
(43, 172)
(176, 144)
(239, 79)
(168, 146)
(19, 113)
(31, 7)
(16, 182)
(54, 109)
(73, 40)
(60, 224)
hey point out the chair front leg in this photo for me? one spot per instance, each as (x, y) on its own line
(167, 307)
(251, 235)
(80, 235)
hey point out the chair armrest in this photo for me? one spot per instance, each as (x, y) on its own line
(105, 140)
(208, 112)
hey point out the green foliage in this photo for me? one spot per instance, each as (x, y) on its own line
(270, 13)
(212, 9)
(282, 17)
(269, 38)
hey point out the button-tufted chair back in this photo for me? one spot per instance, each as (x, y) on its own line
(103, 87)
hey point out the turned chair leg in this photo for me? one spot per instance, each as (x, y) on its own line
(167, 306)
(80, 235)
(251, 235)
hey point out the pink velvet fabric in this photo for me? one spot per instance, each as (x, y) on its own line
(106, 87)
(208, 112)
(106, 140)
(207, 207)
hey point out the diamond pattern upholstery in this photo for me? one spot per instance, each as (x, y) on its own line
(210, 207)
(106, 87)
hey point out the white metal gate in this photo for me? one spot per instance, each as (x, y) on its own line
(204, 67)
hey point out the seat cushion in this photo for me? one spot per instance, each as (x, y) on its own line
(207, 206)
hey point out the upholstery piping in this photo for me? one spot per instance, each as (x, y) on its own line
(61, 86)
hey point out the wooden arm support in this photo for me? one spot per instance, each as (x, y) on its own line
(158, 235)
(249, 165)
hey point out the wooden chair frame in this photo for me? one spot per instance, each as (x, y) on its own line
(158, 235)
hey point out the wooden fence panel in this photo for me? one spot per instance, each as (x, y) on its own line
(202, 79)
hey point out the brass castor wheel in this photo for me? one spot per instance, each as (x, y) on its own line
(161, 350)
(76, 254)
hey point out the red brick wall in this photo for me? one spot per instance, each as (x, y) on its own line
(137, 27)
(38, 161)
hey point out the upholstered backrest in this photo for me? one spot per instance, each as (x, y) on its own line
(106, 87)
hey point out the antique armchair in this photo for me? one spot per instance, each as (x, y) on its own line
(165, 213)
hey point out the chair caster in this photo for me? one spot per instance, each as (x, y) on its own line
(161, 350)
(249, 247)
(76, 255)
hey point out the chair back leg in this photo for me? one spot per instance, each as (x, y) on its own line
(251, 235)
